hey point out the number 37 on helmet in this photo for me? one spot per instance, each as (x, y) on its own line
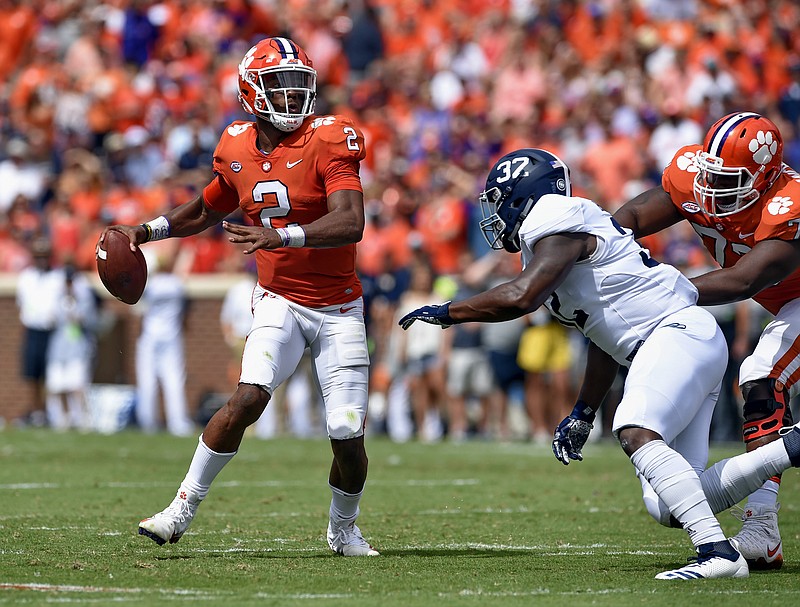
(515, 183)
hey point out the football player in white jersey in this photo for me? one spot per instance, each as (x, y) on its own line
(741, 199)
(636, 312)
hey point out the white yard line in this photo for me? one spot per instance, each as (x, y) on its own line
(454, 482)
(178, 592)
(194, 595)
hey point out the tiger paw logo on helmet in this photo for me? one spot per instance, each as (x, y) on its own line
(763, 147)
(686, 162)
(779, 205)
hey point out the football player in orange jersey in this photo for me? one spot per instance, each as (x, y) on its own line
(296, 177)
(744, 203)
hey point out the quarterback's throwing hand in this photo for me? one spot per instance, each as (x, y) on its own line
(434, 315)
(572, 433)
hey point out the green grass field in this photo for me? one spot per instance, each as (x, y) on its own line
(472, 524)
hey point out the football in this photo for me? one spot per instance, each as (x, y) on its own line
(123, 272)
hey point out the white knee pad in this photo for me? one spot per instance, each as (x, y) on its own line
(346, 421)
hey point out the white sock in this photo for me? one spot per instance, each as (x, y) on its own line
(205, 466)
(77, 410)
(729, 481)
(679, 487)
(344, 506)
(55, 412)
(767, 495)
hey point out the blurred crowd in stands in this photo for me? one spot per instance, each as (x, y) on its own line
(111, 111)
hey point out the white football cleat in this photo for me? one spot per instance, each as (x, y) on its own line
(170, 524)
(348, 541)
(759, 539)
(714, 560)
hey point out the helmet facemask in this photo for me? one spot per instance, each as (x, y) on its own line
(721, 190)
(499, 233)
(491, 225)
(284, 95)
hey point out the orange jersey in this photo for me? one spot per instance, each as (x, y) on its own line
(290, 186)
(775, 216)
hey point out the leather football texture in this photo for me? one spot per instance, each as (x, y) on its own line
(122, 271)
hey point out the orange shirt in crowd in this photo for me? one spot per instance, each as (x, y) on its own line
(18, 25)
(442, 224)
(611, 165)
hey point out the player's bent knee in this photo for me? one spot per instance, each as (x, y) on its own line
(345, 422)
(249, 401)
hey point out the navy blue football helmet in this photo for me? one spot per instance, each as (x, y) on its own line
(515, 183)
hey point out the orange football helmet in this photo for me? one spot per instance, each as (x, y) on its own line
(278, 82)
(742, 157)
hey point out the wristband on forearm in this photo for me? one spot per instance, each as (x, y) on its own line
(157, 229)
(446, 316)
(583, 412)
(292, 236)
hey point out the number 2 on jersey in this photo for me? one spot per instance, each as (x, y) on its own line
(352, 138)
(279, 192)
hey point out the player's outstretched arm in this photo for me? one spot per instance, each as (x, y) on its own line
(553, 259)
(648, 213)
(189, 218)
(767, 263)
(193, 217)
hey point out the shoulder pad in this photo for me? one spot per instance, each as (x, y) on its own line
(237, 128)
(678, 177)
(232, 134)
(342, 138)
(781, 205)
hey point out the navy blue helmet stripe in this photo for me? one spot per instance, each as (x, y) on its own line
(717, 140)
(287, 48)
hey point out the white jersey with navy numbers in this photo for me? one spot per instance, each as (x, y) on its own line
(619, 294)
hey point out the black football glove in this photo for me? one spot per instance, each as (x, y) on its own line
(434, 315)
(571, 434)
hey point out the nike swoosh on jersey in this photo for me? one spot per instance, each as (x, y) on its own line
(345, 310)
(745, 235)
(289, 165)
